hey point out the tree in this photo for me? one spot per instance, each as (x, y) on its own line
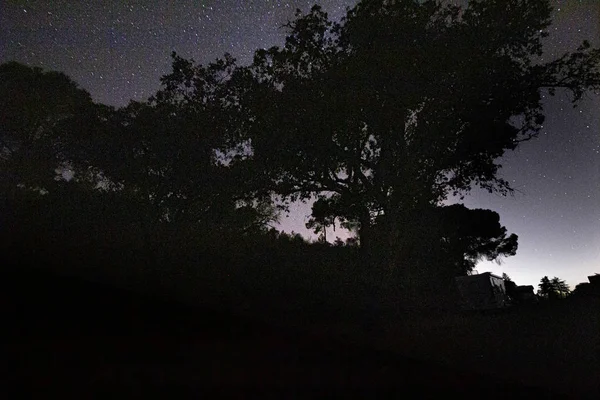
(545, 287)
(176, 155)
(50, 133)
(39, 111)
(403, 103)
(470, 235)
(553, 289)
(560, 288)
(450, 240)
(443, 243)
(164, 163)
(322, 217)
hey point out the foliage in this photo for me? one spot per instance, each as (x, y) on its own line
(180, 153)
(382, 117)
(403, 103)
(37, 111)
(553, 289)
(98, 177)
(450, 240)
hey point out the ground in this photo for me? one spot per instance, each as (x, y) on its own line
(76, 338)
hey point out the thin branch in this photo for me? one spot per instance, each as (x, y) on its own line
(525, 139)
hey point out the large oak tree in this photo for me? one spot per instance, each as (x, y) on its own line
(403, 104)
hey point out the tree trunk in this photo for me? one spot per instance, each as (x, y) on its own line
(364, 237)
(393, 238)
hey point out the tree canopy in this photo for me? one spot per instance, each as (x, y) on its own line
(403, 103)
(39, 111)
(553, 289)
(382, 117)
(162, 161)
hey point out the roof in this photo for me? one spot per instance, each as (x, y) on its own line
(490, 274)
(479, 276)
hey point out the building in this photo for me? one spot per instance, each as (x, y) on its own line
(524, 294)
(481, 292)
(589, 289)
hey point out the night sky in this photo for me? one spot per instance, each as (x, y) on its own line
(119, 50)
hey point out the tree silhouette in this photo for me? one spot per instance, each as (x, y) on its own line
(150, 172)
(178, 150)
(455, 238)
(38, 110)
(49, 131)
(560, 287)
(545, 287)
(324, 216)
(403, 103)
(382, 117)
(445, 242)
(553, 289)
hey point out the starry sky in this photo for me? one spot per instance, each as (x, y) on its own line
(117, 50)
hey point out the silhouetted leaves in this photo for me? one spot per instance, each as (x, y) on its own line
(382, 117)
(404, 103)
(37, 111)
(553, 289)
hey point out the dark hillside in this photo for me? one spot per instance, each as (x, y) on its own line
(71, 336)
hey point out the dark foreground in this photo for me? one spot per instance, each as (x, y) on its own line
(75, 338)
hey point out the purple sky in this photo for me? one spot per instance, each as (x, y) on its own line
(118, 51)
